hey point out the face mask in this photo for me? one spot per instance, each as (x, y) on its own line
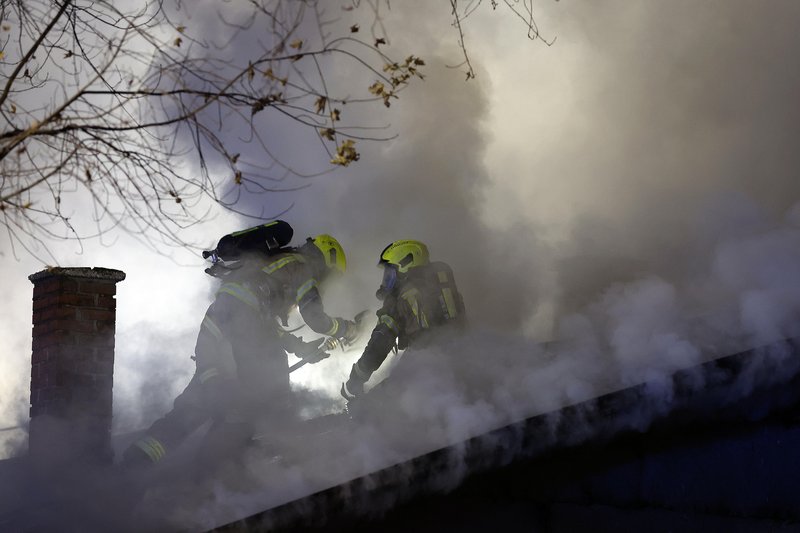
(388, 282)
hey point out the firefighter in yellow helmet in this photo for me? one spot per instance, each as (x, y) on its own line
(420, 303)
(242, 370)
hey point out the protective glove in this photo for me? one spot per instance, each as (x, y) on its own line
(350, 332)
(311, 351)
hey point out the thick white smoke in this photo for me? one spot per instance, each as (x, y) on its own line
(629, 193)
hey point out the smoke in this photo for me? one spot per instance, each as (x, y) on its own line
(14, 372)
(629, 193)
(150, 374)
(643, 214)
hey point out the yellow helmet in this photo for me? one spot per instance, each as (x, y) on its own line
(332, 251)
(405, 255)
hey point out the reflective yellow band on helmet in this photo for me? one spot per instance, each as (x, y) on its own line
(332, 252)
(410, 296)
(282, 262)
(331, 332)
(390, 323)
(304, 288)
(241, 293)
(207, 374)
(153, 448)
(212, 328)
(449, 302)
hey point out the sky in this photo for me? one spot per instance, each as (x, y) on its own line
(630, 180)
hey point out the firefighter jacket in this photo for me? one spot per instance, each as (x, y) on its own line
(293, 279)
(420, 308)
(240, 339)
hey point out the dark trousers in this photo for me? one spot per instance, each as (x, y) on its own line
(198, 404)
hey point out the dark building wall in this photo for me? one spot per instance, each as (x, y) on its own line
(751, 471)
(702, 478)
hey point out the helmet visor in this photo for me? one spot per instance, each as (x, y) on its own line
(388, 282)
(389, 277)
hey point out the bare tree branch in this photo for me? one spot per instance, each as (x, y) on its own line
(460, 14)
(139, 117)
(108, 105)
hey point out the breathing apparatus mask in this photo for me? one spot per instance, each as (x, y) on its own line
(388, 283)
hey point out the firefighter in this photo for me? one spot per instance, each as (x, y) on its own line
(241, 365)
(421, 304)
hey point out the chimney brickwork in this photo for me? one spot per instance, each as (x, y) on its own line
(74, 315)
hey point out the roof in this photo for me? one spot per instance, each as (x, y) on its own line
(742, 387)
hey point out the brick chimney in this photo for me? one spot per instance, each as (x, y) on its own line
(74, 314)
